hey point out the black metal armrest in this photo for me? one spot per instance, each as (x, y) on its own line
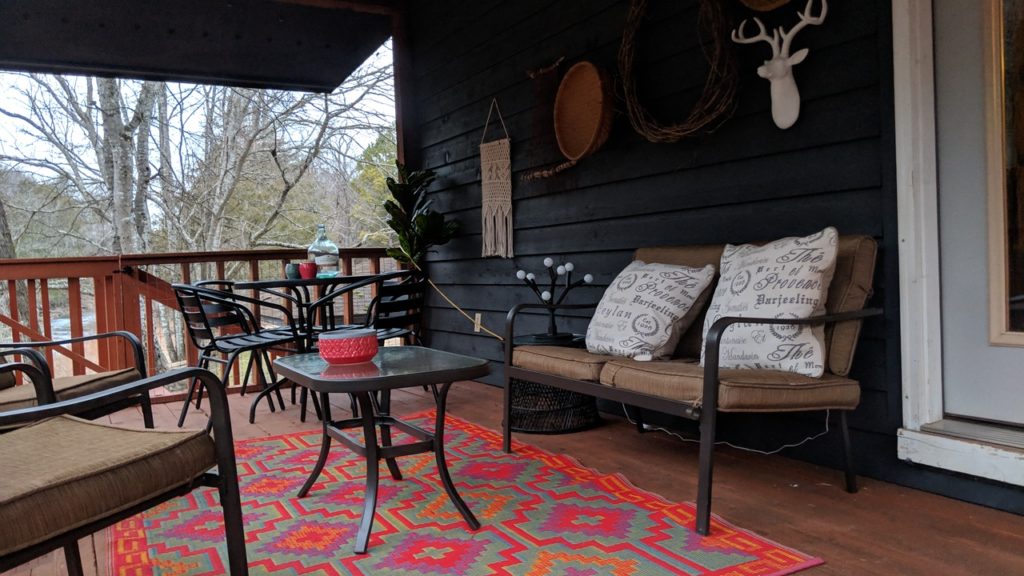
(132, 339)
(510, 320)
(724, 322)
(98, 399)
(31, 355)
(713, 340)
(39, 376)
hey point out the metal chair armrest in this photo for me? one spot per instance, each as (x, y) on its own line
(132, 339)
(103, 397)
(40, 378)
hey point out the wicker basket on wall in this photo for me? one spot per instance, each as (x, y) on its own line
(583, 115)
(583, 111)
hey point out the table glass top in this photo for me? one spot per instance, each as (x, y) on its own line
(390, 362)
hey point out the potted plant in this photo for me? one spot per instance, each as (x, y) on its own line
(417, 227)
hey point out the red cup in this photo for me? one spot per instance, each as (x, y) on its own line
(307, 270)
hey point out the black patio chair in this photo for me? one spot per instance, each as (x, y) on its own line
(222, 324)
(395, 312)
(52, 388)
(66, 478)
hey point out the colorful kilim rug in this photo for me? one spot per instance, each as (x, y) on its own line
(541, 513)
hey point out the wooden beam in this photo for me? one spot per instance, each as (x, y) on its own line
(406, 132)
(384, 7)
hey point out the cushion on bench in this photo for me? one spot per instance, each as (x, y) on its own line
(574, 363)
(66, 387)
(66, 472)
(740, 390)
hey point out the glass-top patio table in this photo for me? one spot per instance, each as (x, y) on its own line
(371, 384)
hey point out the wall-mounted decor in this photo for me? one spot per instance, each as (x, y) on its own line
(583, 115)
(716, 101)
(764, 5)
(779, 69)
(549, 297)
(496, 186)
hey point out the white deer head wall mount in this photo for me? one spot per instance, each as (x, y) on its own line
(779, 69)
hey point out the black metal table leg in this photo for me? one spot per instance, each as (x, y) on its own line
(384, 409)
(325, 448)
(442, 466)
(372, 472)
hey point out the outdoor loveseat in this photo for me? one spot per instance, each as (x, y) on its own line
(681, 386)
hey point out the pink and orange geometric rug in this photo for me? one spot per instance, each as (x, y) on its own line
(542, 514)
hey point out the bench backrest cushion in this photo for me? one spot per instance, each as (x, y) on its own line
(849, 291)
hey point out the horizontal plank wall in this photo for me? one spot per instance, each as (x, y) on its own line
(745, 181)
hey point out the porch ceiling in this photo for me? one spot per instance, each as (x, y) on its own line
(292, 44)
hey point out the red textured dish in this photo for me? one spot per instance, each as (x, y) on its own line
(348, 346)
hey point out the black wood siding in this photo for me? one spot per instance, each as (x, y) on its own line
(745, 181)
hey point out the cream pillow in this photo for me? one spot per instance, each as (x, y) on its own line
(788, 278)
(646, 309)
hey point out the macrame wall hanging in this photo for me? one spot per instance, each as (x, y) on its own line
(496, 184)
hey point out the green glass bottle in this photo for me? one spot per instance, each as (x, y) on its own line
(324, 253)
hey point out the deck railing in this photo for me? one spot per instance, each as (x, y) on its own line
(50, 298)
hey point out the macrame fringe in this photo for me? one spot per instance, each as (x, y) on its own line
(498, 221)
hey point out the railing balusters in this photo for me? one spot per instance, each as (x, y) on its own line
(44, 293)
(75, 304)
(150, 337)
(106, 355)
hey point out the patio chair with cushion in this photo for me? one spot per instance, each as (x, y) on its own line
(66, 478)
(14, 397)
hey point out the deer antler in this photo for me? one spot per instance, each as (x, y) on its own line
(805, 20)
(739, 37)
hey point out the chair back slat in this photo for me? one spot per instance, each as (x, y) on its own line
(400, 305)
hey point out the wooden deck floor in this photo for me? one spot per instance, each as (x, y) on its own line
(882, 530)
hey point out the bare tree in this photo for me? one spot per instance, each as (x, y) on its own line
(184, 167)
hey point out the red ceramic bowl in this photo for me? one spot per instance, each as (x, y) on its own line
(348, 346)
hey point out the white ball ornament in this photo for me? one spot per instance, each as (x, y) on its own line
(521, 274)
(548, 262)
(545, 295)
(561, 270)
(588, 278)
(569, 266)
(530, 276)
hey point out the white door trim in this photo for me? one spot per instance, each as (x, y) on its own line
(918, 221)
(917, 201)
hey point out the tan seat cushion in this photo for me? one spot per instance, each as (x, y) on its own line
(575, 363)
(65, 472)
(66, 387)
(740, 390)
